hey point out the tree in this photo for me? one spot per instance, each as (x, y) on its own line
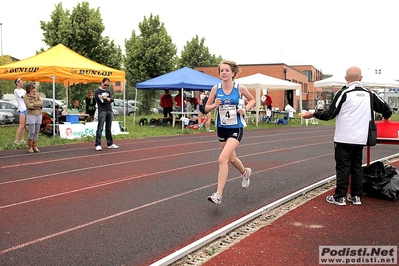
(195, 53)
(6, 86)
(81, 31)
(148, 55)
(47, 89)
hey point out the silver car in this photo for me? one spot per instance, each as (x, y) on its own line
(6, 118)
(12, 107)
(118, 106)
(48, 105)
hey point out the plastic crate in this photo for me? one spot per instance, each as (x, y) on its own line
(387, 129)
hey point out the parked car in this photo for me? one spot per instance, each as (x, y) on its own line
(118, 106)
(12, 107)
(115, 112)
(132, 102)
(6, 118)
(48, 105)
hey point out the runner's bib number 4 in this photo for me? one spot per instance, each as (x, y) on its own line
(228, 115)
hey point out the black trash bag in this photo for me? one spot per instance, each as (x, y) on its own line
(153, 122)
(143, 121)
(163, 122)
(392, 188)
(381, 181)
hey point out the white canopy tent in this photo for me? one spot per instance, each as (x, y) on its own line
(368, 81)
(331, 82)
(380, 83)
(260, 81)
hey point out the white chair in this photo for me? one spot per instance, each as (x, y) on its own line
(306, 120)
(312, 120)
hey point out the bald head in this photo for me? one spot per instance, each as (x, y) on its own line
(353, 74)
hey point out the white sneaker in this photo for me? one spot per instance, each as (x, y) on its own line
(215, 198)
(113, 146)
(245, 178)
(98, 148)
(22, 141)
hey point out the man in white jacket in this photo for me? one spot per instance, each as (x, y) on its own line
(351, 107)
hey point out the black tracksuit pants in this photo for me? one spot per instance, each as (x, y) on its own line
(348, 159)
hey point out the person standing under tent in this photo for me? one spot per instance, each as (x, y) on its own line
(320, 104)
(178, 102)
(90, 106)
(226, 97)
(267, 101)
(207, 116)
(19, 93)
(166, 102)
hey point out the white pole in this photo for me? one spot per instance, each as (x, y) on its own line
(124, 105)
(182, 107)
(257, 98)
(54, 116)
(135, 104)
(1, 36)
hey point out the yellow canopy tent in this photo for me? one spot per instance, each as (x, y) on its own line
(63, 65)
(60, 64)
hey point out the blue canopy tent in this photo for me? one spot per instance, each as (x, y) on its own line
(182, 79)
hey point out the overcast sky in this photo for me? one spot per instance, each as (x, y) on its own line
(331, 35)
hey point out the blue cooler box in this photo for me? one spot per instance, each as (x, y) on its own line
(72, 118)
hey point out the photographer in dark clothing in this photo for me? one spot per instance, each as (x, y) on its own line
(104, 99)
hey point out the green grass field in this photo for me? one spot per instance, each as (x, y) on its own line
(136, 131)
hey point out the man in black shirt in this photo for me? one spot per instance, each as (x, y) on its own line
(104, 99)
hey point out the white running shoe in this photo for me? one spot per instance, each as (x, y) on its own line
(245, 178)
(215, 198)
(113, 146)
(98, 148)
